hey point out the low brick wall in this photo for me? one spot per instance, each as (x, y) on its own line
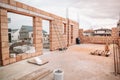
(97, 39)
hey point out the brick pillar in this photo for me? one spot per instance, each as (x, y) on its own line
(81, 35)
(50, 36)
(38, 43)
(4, 47)
(54, 43)
(69, 34)
(115, 33)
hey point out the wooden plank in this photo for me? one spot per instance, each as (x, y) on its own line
(36, 75)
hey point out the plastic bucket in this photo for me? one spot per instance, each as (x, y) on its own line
(58, 74)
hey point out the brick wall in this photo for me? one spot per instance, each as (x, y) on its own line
(4, 47)
(38, 15)
(99, 39)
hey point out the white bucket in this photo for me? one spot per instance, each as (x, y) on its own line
(58, 74)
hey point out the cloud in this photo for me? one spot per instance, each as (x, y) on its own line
(99, 8)
(91, 8)
(91, 12)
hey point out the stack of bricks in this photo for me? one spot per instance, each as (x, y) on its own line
(4, 47)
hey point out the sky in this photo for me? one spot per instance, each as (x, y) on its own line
(18, 20)
(89, 13)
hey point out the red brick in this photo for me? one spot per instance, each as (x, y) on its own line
(30, 8)
(25, 6)
(12, 60)
(18, 4)
(3, 12)
(5, 56)
(18, 57)
(5, 62)
(4, 19)
(4, 1)
(33, 54)
(4, 26)
(12, 2)
(24, 56)
(5, 50)
(29, 55)
(4, 32)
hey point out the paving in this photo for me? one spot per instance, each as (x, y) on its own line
(76, 62)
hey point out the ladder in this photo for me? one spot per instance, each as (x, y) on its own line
(60, 37)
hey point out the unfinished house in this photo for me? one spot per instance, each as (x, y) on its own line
(65, 60)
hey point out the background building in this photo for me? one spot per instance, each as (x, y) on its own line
(102, 32)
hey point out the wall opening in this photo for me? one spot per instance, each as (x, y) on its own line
(46, 35)
(20, 34)
(64, 29)
(119, 33)
(71, 34)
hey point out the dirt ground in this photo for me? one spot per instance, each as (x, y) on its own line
(76, 62)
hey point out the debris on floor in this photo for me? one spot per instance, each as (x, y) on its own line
(101, 52)
(38, 61)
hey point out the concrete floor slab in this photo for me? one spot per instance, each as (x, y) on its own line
(76, 62)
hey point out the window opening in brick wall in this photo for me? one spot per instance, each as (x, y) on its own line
(119, 33)
(45, 35)
(71, 34)
(64, 28)
(20, 34)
